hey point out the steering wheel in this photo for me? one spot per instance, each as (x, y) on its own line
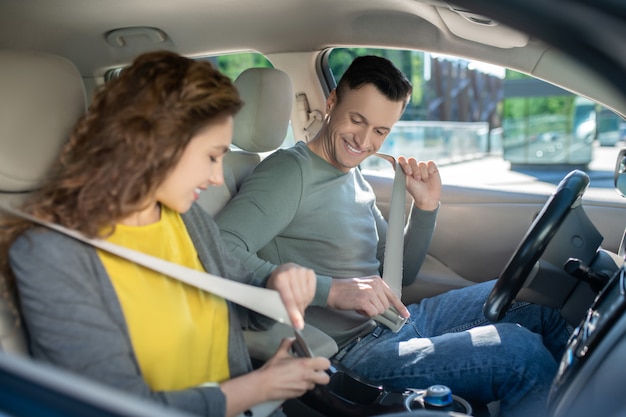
(566, 196)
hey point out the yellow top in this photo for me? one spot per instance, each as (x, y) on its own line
(179, 333)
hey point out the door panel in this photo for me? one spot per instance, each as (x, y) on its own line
(479, 229)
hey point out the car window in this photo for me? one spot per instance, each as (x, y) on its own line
(234, 64)
(230, 64)
(489, 126)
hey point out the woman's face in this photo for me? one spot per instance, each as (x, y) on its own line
(200, 166)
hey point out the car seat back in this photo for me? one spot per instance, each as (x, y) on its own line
(259, 127)
(42, 98)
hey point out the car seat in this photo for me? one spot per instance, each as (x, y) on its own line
(42, 98)
(260, 127)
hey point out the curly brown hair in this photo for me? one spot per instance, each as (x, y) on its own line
(122, 149)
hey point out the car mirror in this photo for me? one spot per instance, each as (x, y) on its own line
(620, 173)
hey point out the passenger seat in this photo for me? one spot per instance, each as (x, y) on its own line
(260, 128)
(42, 98)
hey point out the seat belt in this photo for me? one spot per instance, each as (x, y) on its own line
(394, 246)
(262, 300)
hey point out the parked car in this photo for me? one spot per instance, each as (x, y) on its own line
(484, 230)
(610, 130)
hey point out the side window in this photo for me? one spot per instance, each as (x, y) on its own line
(230, 64)
(234, 64)
(463, 113)
(436, 125)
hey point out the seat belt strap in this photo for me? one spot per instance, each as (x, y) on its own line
(394, 246)
(262, 300)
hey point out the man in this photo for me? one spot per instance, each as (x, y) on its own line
(310, 205)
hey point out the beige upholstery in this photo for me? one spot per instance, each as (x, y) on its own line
(261, 127)
(262, 123)
(42, 98)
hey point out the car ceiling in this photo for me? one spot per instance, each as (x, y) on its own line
(196, 27)
(78, 29)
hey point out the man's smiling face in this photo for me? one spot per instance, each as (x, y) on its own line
(358, 125)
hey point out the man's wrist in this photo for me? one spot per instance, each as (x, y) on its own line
(322, 290)
(428, 206)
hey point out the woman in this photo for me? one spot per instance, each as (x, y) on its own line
(152, 140)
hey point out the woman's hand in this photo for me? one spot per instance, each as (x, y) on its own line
(291, 377)
(296, 286)
(280, 378)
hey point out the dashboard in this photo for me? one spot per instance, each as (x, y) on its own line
(592, 373)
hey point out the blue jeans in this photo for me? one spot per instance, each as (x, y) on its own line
(448, 341)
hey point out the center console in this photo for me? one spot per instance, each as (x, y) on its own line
(348, 395)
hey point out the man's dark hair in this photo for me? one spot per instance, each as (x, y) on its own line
(380, 72)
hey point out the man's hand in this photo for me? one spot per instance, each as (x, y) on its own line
(296, 286)
(423, 182)
(369, 296)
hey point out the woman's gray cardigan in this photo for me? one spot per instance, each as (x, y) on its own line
(74, 320)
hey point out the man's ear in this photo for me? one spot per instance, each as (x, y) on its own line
(331, 101)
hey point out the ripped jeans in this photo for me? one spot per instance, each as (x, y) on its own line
(448, 341)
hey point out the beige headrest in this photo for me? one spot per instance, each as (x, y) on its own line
(42, 96)
(261, 125)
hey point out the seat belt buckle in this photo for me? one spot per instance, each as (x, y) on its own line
(391, 319)
(300, 348)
